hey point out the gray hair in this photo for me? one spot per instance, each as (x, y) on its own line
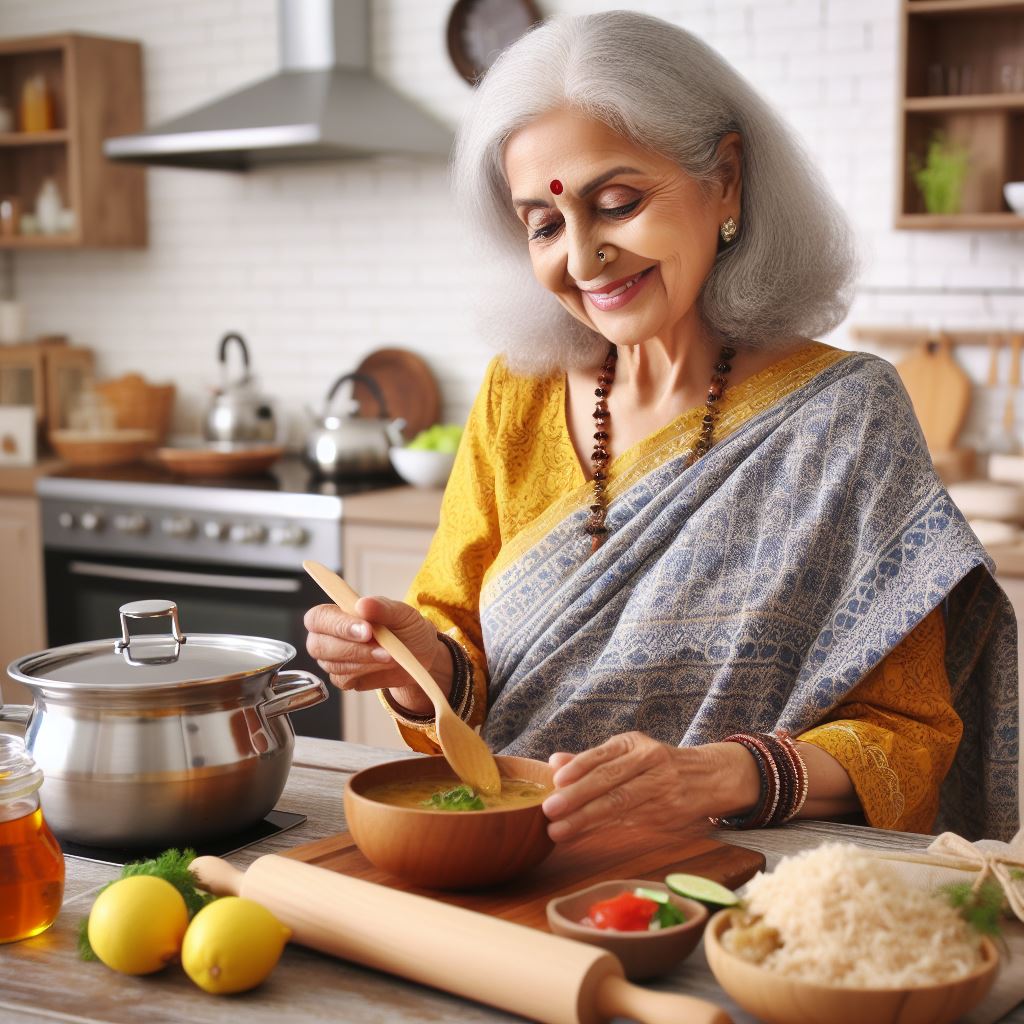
(790, 271)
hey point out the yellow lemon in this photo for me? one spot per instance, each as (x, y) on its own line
(136, 925)
(232, 944)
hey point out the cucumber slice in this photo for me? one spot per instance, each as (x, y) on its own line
(651, 894)
(702, 890)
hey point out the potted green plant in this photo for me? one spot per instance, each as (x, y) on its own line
(941, 177)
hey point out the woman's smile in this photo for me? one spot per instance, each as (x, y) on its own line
(616, 294)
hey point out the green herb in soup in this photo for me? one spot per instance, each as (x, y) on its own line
(425, 794)
(461, 798)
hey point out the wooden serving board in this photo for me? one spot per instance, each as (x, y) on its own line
(592, 858)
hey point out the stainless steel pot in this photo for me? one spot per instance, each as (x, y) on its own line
(158, 740)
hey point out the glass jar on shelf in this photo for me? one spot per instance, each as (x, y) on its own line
(31, 862)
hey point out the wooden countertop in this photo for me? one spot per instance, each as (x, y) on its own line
(21, 480)
(395, 506)
(42, 979)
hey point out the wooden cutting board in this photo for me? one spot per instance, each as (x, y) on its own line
(584, 862)
(939, 390)
(409, 388)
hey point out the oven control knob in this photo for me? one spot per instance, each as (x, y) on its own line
(66, 520)
(180, 526)
(131, 522)
(214, 530)
(91, 521)
(289, 536)
(248, 533)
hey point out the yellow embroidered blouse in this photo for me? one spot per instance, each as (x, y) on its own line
(517, 474)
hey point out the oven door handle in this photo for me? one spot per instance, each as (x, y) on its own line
(264, 584)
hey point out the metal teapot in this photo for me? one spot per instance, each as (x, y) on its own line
(238, 411)
(346, 445)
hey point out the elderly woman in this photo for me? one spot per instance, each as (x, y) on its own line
(698, 561)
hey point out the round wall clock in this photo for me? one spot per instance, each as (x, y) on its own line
(478, 30)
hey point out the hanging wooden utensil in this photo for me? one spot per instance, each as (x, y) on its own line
(939, 390)
(1013, 383)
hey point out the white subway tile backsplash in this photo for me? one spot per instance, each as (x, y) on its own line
(319, 265)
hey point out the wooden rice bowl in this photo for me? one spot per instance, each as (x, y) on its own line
(778, 999)
(447, 849)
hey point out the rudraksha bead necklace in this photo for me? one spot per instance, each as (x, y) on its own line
(596, 526)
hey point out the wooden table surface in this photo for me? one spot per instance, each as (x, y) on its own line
(43, 980)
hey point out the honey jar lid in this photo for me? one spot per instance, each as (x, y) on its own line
(20, 776)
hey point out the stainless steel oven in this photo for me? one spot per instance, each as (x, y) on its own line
(230, 556)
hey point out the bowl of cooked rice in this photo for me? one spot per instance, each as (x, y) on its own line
(836, 936)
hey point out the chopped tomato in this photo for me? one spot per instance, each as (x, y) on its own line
(623, 913)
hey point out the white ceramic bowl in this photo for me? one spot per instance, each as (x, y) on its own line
(422, 468)
(1014, 193)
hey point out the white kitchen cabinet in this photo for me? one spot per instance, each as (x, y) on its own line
(22, 610)
(379, 561)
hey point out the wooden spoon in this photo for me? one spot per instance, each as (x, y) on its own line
(463, 749)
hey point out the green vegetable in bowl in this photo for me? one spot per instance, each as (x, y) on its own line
(461, 798)
(441, 437)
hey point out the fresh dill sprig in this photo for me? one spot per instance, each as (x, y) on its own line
(981, 908)
(172, 866)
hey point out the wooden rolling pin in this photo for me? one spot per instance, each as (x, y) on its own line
(514, 968)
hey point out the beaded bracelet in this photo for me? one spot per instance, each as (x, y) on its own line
(800, 771)
(460, 697)
(768, 772)
(783, 777)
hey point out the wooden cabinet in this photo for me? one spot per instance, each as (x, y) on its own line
(378, 559)
(22, 610)
(963, 79)
(93, 90)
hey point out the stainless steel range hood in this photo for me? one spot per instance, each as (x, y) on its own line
(324, 104)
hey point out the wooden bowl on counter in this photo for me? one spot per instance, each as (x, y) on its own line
(102, 447)
(779, 999)
(447, 849)
(643, 954)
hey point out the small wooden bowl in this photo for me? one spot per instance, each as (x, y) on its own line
(447, 849)
(643, 954)
(101, 447)
(778, 999)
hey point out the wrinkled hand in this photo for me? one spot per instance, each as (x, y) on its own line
(632, 780)
(344, 647)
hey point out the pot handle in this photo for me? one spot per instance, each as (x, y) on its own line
(19, 714)
(294, 690)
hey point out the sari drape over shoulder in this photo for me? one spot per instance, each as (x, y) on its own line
(756, 589)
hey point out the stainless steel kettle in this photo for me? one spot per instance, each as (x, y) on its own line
(238, 411)
(342, 444)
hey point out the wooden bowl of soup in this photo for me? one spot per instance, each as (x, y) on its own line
(390, 818)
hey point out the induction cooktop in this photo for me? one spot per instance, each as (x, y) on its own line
(273, 824)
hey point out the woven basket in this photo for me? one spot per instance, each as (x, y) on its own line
(139, 405)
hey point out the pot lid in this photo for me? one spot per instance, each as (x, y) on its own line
(152, 660)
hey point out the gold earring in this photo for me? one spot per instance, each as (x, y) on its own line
(728, 230)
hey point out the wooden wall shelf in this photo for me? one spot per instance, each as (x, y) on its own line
(982, 101)
(941, 8)
(95, 87)
(962, 78)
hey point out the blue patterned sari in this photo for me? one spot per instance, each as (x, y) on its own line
(755, 589)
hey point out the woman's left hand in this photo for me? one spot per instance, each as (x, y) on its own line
(632, 780)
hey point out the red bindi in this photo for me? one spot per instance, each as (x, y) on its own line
(556, 187)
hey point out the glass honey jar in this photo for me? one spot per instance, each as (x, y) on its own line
(31, 862)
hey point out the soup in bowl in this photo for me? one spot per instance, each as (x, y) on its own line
(396, 813)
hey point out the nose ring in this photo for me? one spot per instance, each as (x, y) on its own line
(601, 255)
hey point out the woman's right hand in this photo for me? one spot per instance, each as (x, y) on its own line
(344, 647)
